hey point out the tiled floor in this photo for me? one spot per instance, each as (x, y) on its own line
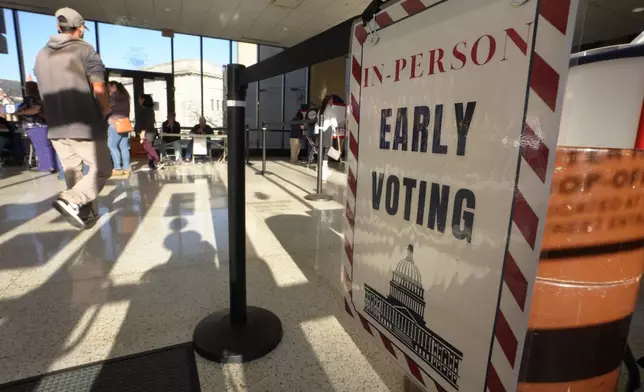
(156, 263)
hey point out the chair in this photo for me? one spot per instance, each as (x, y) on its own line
(3, 156)
(220, 144)
(177, 153)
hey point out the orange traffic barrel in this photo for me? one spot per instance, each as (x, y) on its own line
(589, 273)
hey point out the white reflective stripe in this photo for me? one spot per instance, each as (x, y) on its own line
(236, 103)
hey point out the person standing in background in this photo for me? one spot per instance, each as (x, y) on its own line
(118, 140)
(71, 77)
(295, 136)
(147, 130)
(31, 115)
(171, 126)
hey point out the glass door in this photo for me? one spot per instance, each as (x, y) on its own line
(159, 85)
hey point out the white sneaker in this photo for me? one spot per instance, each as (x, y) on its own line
(70, 211)
(160, 165)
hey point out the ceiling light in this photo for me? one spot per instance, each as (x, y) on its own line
(285, 28)
(638, 9)
(167, 9)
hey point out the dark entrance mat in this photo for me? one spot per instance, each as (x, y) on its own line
(168, 369)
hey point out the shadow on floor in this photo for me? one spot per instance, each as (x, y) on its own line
(322, 265)
(42, 325)
(82, 313)
(15, 214)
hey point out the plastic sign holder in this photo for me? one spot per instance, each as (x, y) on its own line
(453, 121)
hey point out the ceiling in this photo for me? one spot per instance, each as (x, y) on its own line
(275, 22)
(287, 22)
(607, 20)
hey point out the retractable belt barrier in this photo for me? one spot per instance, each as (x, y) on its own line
(240, 333)
(319, 195)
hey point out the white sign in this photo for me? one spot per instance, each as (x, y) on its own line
(199, 146)
(453, 124)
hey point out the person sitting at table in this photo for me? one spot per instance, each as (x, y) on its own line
(172, 126)
(5, 141)
(32, 116)
(200, 129)
(12, 148)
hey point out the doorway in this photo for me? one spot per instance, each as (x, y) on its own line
(159, 85)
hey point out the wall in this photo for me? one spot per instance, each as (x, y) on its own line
(328, 77)
(247, 53)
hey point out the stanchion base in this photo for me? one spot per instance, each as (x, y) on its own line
(250, 163)
(318, 197)
(216, 339)
(261, 173)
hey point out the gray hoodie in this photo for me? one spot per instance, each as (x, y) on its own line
(65, 69)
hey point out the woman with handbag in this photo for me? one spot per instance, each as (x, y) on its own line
(119, 128)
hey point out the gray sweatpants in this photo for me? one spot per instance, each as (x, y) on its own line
(83, 189)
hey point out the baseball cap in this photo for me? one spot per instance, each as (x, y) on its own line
(68, 17)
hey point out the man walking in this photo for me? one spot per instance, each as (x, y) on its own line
(71, 77)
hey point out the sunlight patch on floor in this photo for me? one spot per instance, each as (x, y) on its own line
(93, 336)
(334, 349)
(284, 270)
(34, 277)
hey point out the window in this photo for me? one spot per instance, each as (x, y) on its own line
(187, 78)
(270, 101)
(10, 88)
(131, 48)
(295, 94)
(35, 30)
(216, 54)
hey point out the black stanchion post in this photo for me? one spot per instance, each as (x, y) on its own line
(263, 171)
(320, 161)
(248, 162)
(319, 195)
(241, 333)
(263, 148)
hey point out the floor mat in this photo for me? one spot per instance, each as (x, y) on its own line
(167, 369)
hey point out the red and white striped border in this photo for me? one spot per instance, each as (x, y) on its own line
(549, 69)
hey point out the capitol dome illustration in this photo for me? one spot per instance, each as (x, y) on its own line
(402, 313)
(407, 270)
(406, 286)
